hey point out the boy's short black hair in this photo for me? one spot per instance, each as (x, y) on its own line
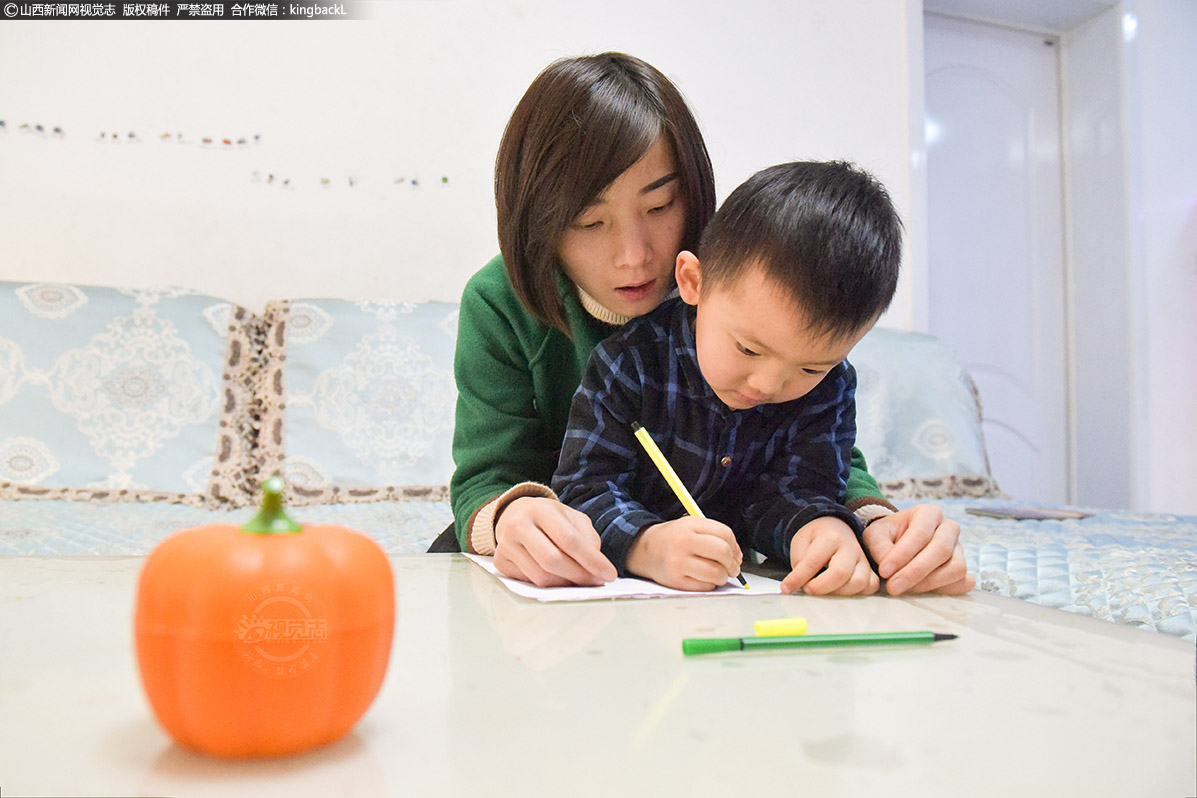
(825, 231)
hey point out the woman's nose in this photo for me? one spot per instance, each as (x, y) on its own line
(635, 246)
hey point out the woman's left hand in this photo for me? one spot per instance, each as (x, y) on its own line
(917, 550)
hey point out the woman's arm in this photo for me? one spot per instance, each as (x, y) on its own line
(863, 495)
(917, 550)
(495, 440)
(505, 446)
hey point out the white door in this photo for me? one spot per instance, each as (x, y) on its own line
(996, 267)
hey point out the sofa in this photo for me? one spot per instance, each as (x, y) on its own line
(129, 414)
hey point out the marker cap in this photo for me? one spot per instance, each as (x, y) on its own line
(780, 626)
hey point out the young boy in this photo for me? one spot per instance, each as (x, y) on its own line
(742, 382)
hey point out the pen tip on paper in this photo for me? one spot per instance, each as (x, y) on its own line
(942, 636)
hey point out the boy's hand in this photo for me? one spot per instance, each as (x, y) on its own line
(829, 543)
(686, 554)
(918, 551)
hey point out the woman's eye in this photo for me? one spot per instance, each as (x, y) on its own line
(588, 225)
(661, 208)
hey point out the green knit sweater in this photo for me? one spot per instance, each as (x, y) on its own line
(516, 377)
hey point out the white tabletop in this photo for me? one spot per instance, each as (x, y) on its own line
(491, 694)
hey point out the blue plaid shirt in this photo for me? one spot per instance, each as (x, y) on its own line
(765, 471)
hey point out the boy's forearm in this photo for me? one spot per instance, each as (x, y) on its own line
(615, 516)
(775, 530)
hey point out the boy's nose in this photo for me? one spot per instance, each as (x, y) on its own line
(766, 383)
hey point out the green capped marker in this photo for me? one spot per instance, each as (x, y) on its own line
(714, 645)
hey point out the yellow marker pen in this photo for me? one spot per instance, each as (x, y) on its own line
(671, 477)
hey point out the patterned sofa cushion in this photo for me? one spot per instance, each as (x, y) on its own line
(918, 418)
(357, 404)
(113, 394)
(358, 399)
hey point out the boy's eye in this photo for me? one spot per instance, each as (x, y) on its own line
(814, 372)
(746, 351)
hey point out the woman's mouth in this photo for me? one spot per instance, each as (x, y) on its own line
(635, 293)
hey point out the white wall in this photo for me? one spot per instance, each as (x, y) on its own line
(1161, 86)
(423, 91)
(1100, 271)
(1131, 116)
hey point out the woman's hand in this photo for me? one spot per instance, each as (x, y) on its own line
(918, 551)
(549, 544)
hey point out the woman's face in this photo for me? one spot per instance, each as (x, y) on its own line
(622, 248)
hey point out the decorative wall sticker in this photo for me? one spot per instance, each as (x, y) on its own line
(37, 129)
(130, 137)
(227, 143)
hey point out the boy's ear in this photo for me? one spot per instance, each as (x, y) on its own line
(688, 273)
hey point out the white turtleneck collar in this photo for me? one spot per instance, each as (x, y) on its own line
(604, 314)
(595, 309)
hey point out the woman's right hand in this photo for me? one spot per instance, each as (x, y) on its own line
(549, 544)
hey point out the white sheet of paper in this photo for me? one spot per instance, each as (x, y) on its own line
(624, 587)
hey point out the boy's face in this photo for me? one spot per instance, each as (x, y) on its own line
(753, 348)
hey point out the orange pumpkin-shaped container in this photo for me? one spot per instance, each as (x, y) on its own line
(267, 639)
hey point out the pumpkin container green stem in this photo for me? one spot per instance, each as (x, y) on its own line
(271, 518)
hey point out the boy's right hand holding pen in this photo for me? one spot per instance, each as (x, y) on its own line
(689, 553)
(829, 545)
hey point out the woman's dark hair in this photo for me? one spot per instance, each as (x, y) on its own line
(581, 124)
(827, 232)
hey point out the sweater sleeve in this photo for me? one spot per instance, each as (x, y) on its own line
(598, 456)
(863, 495)
(496, 438)
(808, 473)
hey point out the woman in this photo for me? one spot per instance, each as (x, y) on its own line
(602, 178)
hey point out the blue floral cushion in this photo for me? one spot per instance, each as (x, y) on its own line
(112, 393)
(918, 417)
(358, 399)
